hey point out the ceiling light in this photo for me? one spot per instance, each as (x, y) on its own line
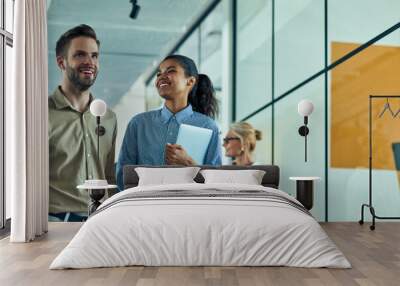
(135, 9)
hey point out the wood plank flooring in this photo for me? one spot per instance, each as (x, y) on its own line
(374, 255)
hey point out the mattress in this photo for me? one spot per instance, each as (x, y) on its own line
(201, 225)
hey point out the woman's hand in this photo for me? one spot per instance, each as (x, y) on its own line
(176, 155)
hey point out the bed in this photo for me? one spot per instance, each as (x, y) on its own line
(201, 224)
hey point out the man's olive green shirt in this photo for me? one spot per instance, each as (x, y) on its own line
(73, 153)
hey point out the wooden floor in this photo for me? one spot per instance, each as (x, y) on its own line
(374, 255)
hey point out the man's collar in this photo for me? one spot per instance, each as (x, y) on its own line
(180, 116)
(61, 101)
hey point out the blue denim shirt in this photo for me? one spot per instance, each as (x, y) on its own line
(148, 133)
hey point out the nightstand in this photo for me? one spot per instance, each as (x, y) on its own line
(96, 189)
(305, 190)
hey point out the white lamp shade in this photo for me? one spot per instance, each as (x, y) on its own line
(305, 107)
(98, 107)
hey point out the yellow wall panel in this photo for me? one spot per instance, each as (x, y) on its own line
(374, 71)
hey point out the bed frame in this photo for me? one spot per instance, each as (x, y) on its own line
(270, 179)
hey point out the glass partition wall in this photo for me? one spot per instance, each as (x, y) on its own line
(372, 72)
(253, 60)
(282, 51)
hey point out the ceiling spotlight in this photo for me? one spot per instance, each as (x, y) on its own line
(135, 9)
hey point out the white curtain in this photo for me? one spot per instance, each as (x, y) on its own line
(26, 119)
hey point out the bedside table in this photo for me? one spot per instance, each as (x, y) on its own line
(97, 190)
(305, 190)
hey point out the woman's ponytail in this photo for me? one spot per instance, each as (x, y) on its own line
(202, 97)
(258, 134)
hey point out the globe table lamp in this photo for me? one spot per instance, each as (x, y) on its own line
(305, 108)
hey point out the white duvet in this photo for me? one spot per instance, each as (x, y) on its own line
(183, 231)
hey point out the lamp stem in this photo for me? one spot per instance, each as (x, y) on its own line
(98, 139)
(305, 151)
(305, 138)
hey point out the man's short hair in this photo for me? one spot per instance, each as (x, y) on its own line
(64, 41)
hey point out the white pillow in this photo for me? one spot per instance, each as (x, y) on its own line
(248, 177)
(166, 176)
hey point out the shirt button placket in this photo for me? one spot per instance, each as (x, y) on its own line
(170, 134)
(86, 138)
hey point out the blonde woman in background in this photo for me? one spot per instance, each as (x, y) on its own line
(240, 143)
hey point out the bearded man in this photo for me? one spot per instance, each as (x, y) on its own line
(72, 128)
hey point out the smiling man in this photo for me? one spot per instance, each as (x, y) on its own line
(72, 128)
